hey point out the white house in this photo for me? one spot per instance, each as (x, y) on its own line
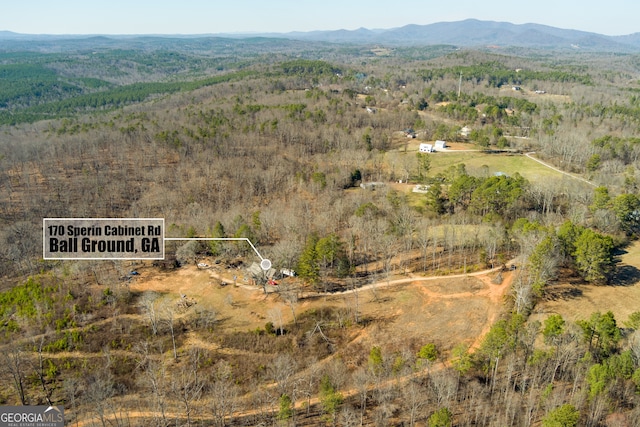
(440, 144)
(425, 148)
(420, 188)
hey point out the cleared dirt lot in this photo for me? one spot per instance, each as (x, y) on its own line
(442, 310)
(446, 311)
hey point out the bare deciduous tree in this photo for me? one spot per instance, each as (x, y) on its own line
(281, 370)
(187, 385)
(223, 393)
(168, 318)
(13, 367)
(289, 291)
(149, 302)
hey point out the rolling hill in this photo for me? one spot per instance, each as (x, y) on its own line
(467, 33)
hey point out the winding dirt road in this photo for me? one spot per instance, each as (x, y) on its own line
(490, 290)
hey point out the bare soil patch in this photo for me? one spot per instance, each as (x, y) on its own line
(235, 306)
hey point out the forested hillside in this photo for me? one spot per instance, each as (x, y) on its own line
(423, 279)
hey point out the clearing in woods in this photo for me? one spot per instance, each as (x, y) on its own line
(446, 311)
(578, 300)
(477, 162)
(431, 309)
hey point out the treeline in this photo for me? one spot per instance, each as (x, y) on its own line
(495, 74)
(25, 85)
(591, 354)
(481, 109)
(107, 99)
(36, 86)
(455, 191)
(627, 150)
(307, 67)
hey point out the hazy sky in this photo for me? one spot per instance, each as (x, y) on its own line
(612, 17)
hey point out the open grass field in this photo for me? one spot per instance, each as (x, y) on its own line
(479, 163)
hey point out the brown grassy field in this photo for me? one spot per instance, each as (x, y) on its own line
(577, 300)
(446, 311)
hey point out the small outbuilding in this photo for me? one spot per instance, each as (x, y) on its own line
(425, 148)
(409, 133)
(440, 144)
(371, 185)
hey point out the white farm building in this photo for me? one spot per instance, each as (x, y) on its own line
(425, 148)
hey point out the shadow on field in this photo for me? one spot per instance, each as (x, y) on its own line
(562, 292)
(626, 275)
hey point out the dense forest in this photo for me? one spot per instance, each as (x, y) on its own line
(312, 152)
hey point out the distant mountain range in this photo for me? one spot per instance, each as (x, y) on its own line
(475, 33)
(467, 33)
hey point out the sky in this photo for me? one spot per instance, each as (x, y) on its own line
(612, 17)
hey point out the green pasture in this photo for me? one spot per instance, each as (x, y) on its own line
(479, 164)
